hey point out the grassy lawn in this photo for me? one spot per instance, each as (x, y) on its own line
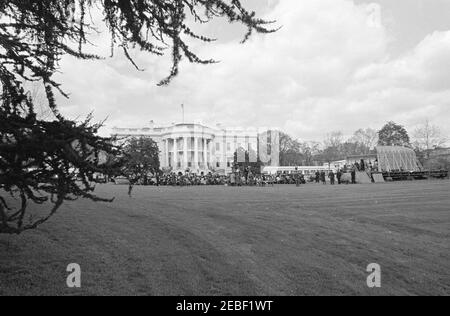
(240, 241)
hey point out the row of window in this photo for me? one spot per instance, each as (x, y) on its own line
(190, 146)
(238, 145)
(229, 163)
(219, 164)
(190, 165)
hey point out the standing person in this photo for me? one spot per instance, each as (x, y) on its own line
(130, 188)
(317, 177)
(323, 177)
(339, 176)
(297, 177)
(354, 175)
(247, 174)
(332, 177)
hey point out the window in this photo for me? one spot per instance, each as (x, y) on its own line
(217, 146)
(230, 162)
(218, 164)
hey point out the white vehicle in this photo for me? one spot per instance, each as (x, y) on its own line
(121, 181)
(306, 171)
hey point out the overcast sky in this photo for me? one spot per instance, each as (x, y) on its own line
(336, 65)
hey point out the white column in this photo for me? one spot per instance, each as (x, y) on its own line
(210, 151)
(225, 153)
(196, 162)
(175, 154)
(167, 153)
(185, 153)
(205, 153)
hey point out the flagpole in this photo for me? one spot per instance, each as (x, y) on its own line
(182, 108)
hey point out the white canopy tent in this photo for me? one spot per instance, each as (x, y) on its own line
(396, 158)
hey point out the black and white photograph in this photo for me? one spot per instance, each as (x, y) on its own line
(224, 155)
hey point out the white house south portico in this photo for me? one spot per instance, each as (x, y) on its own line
(197, 147)
(187, 146)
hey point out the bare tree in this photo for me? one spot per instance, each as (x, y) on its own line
(334, 139)
(290, 153)
(427, 137)
(333, 146)
(310, 150)
(368, 138)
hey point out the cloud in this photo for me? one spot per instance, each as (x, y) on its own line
(412, 87)
(327, 69)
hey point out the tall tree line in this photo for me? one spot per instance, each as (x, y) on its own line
(426, 138)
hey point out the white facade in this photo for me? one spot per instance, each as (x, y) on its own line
(196, 147)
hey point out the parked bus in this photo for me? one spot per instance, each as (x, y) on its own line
(306, 171)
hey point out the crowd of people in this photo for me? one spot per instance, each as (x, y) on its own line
(240, 179)
(192, 179)
(237, 179)
(346, 175)
(189, 179)
(366, 166)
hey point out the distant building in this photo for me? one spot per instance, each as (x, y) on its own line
(199, 148)
(438, 159)
(440, 153)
